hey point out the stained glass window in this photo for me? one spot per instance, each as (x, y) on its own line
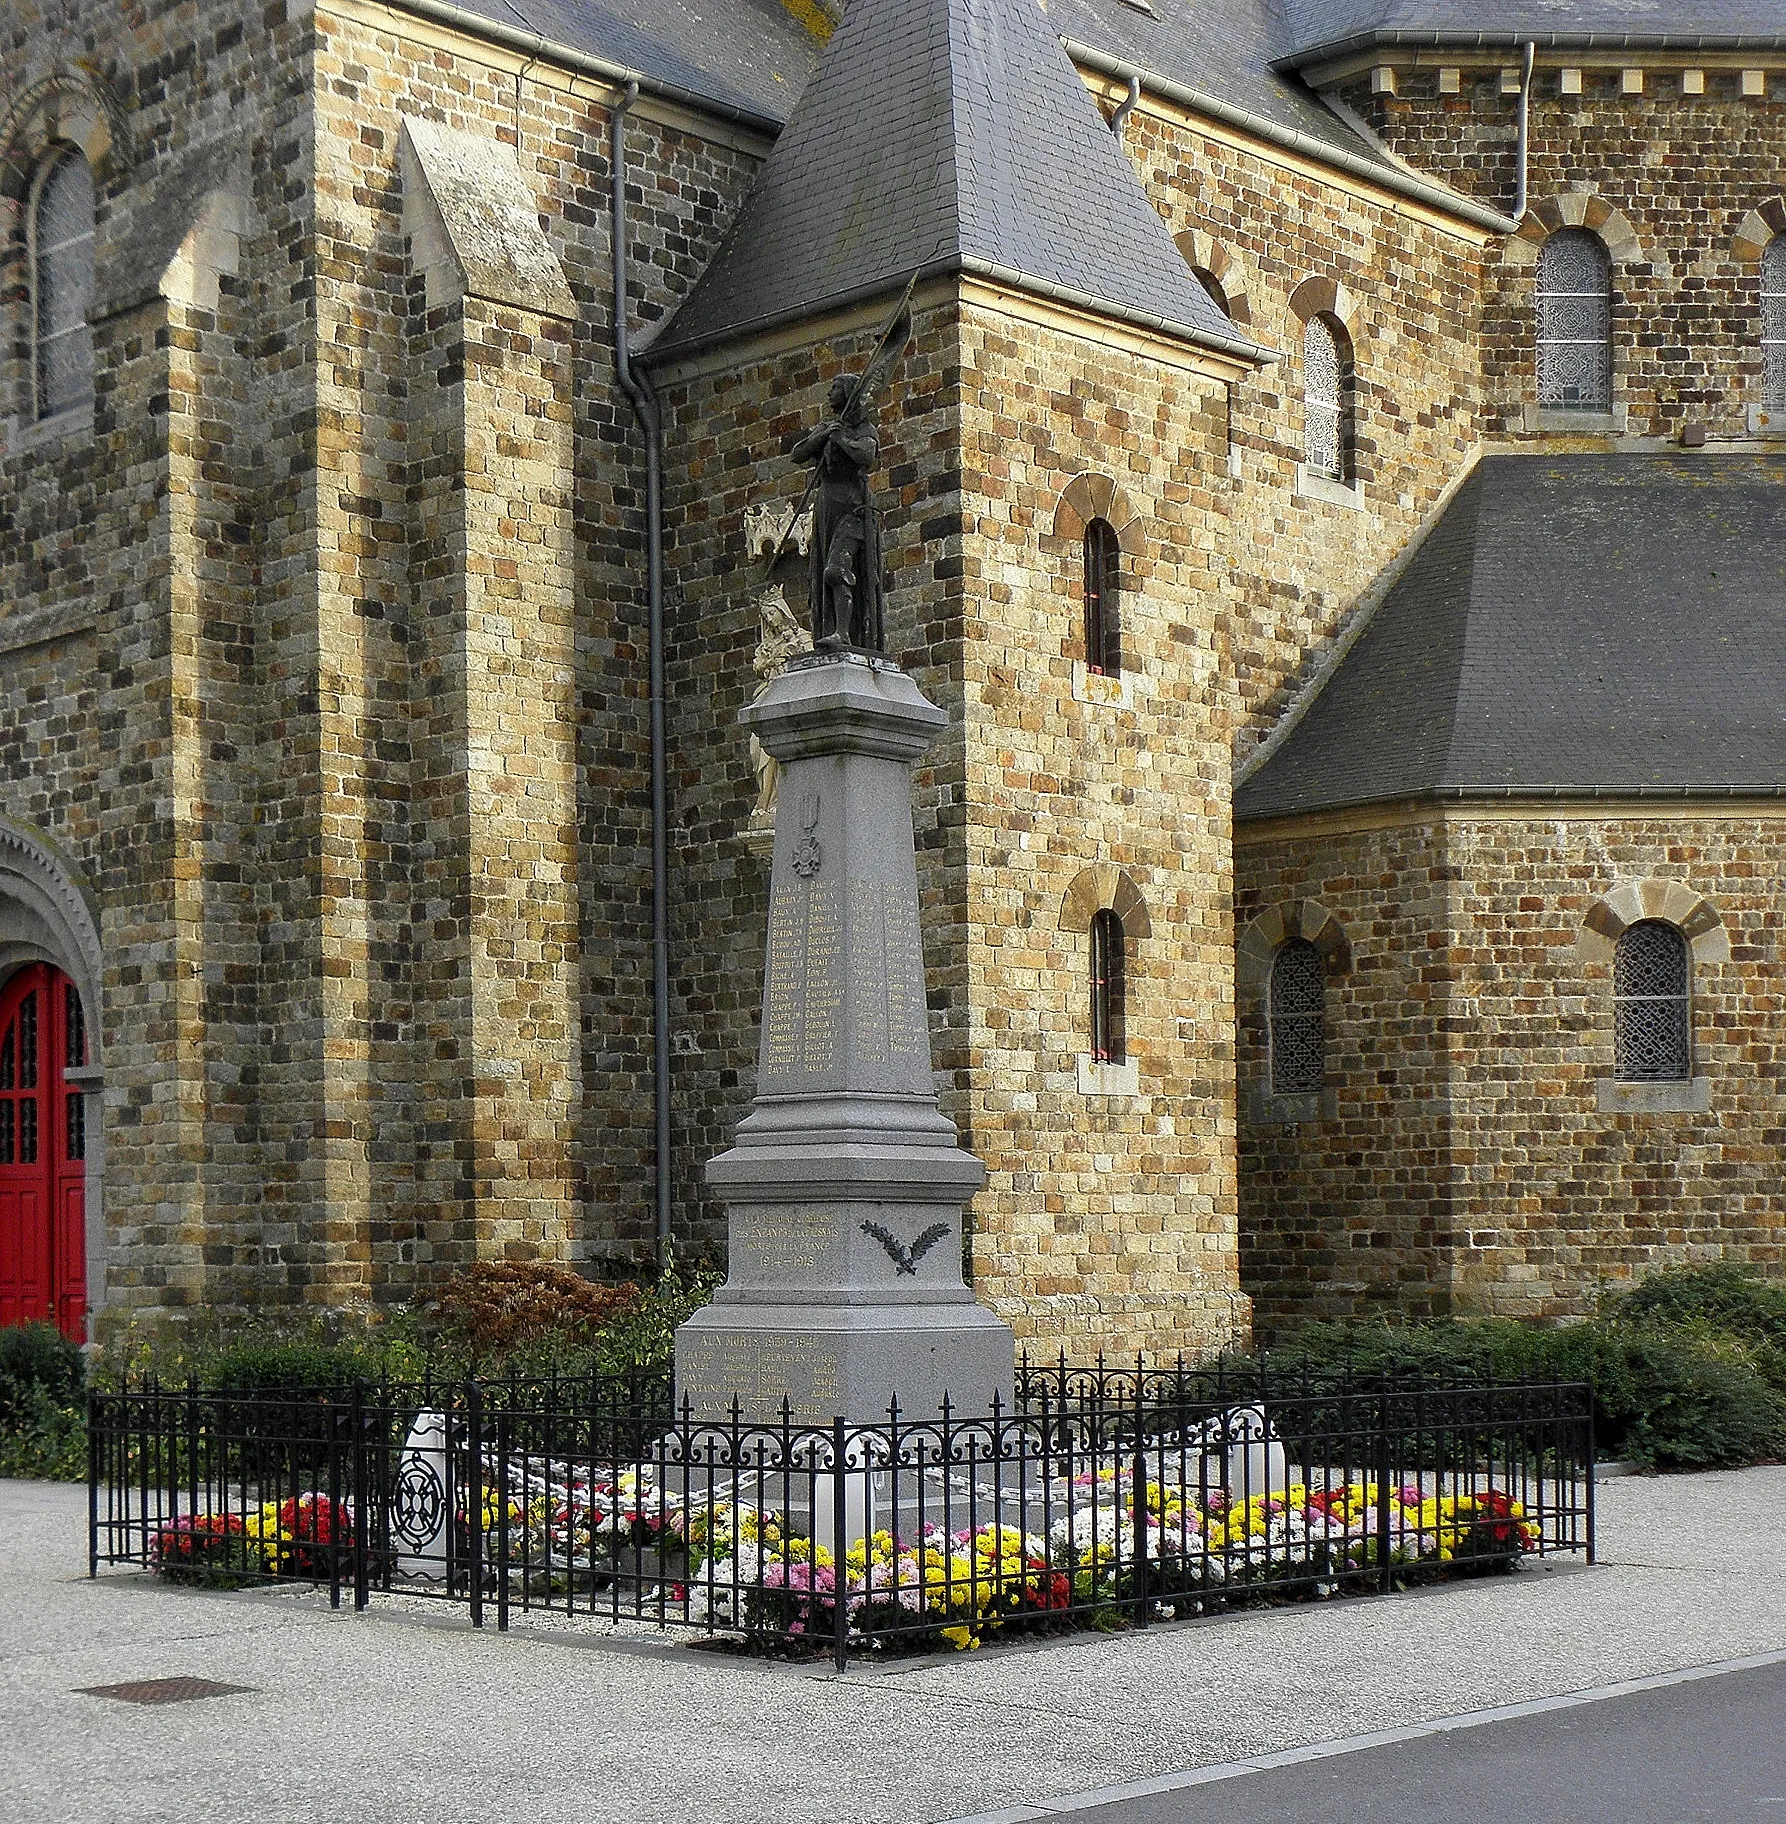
(62, 251)
(1103, 599)
(1773, 324)
(1108, 1045)
(1326, 400)
(1575, 322)
(1651, 1023)
(1298, 1016)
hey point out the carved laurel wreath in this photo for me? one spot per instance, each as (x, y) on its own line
(904, 1258)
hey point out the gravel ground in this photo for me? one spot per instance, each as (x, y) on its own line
(394, 1715)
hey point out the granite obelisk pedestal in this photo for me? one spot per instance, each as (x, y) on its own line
(845, 1186)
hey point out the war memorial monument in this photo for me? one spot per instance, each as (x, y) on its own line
(845, 1187)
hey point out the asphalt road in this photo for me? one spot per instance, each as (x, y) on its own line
(1709, 1748)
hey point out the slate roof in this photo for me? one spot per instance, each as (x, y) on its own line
(1227, 49)
(945, 136)
(748, 55)
(1573, 624)
(1321, 29)
(752, 55)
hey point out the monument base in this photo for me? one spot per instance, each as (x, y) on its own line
(838, 1360)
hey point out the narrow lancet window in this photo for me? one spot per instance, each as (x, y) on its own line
(1103, 600)
(1108, 1044)
(1298, 1019)
(1575, 322)
(62, 274)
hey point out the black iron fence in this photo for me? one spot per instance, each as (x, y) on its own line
(1103, 1496)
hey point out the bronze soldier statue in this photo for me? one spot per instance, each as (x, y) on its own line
(848, 604)
(846, 544)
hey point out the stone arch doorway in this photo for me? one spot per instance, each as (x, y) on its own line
(49, 943)
(43, 1152)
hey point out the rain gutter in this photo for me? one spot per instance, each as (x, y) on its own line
(1405, 39)
(1292, 139)
(536, 44)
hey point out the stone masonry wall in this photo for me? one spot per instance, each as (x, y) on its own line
(1108, 1217)
(1465, 1162)
(1346, 1204)
(684, 182)
(1295, 562)
(241, 529)
(1683, 172)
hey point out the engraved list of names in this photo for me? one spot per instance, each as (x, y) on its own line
(817, 933)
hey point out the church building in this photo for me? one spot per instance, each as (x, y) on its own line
(1333, 484)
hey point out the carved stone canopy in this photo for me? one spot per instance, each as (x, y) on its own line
(771, 526)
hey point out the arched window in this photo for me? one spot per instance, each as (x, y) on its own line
(1108, 1043)
(62, 283)
(1575, 322)
(1651, 1014)
(1213, 286)
(1327, 399)
(1103, 600)
(1297, 1010)
(1773, 324)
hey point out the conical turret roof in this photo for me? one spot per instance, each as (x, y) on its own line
(946, 136)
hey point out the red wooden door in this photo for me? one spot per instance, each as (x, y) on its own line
(43, 1146)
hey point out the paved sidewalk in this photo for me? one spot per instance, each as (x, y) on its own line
(369, 1718)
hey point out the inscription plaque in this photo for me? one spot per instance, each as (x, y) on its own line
(907, 1028)
(787, 1242)
(762, 1371)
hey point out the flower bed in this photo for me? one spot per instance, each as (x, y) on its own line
(305, 1537)
(1101, 1501)
(744, 1570)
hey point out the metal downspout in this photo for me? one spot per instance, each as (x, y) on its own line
(644, 403)
(1529, 53)
(1120, 119)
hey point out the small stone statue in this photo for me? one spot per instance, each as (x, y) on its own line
(848, 610)
(781, 637)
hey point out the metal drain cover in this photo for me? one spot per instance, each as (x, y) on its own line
(162, 1690)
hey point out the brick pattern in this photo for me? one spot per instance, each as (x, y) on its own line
(1684, 170)
(1466, 1164)
(328, 670)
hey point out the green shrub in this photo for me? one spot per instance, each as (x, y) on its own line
(43, 1419)
(1467, 1351)
(1720, 1298)
(44, 1442)
(529, 1322)
(1677, 1403)
(1687, 1370)
(37, 1359)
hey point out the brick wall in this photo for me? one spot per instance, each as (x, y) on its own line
(1292, 567)
(1465, 1161)
(1683, 170)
